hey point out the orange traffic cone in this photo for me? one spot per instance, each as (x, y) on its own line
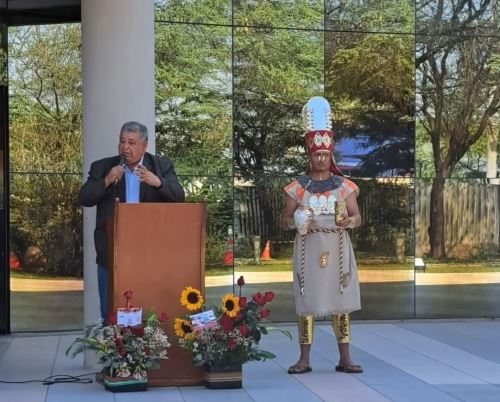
(266, 253)
(228, 254)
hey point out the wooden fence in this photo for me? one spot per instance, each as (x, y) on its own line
(472, 221)
(386, 207)
(472, 218)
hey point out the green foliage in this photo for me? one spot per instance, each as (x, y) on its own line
(45, 213)
(204, 11)
(193, 106)
(284, 13)
(214, 250)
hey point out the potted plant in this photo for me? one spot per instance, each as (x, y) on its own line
(125, 352)
(225, 337)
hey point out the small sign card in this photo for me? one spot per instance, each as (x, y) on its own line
(129, 318)
(203, 320)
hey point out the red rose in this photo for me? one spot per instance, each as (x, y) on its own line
(243, 302)
(226, 322)
(244, 330)
(118, 341)
(112, 318)
(122, 352)
(269, 296)
(264, 313)
(241, 281)
(138, 330)
(146, 350)
(162, 317)
(231, 343)
(257, 298)
(128, 294)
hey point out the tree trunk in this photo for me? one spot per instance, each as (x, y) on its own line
(436, 225)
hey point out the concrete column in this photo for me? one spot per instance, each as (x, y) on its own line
(118, 86)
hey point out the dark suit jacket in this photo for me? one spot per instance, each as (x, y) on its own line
(93, 192)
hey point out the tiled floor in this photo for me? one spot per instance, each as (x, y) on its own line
(404, 361)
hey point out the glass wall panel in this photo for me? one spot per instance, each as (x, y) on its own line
(217, 192)
(303, 14)
(274, 73)
(263, 250)
(4, 180)
(45, 165)
(194, 11)
(456, 143)
(383, 246)
(193, 98)
(370, 83)
(46, 252)
(370, 16)
(467, 282)
(447, 17)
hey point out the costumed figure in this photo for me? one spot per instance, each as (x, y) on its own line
(322, 205)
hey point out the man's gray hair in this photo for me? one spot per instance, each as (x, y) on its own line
(135, 127)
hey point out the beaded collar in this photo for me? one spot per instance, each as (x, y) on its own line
(320, 186)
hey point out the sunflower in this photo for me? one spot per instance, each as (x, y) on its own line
(182, 328)
(191, 298)
(230, 305)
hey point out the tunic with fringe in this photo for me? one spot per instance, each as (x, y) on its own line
(325, 289)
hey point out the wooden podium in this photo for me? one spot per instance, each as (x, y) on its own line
(157, 249)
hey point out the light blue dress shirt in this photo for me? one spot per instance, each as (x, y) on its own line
(132, 185)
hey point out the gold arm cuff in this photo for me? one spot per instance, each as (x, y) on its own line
(352, 223)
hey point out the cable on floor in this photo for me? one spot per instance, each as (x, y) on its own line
(57, 379)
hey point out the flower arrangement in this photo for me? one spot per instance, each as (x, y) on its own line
(227, 335)
(125, 351)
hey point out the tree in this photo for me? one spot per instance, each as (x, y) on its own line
(459, 92)
(275, 72)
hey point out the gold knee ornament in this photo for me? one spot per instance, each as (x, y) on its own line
(306, 329)
(342, 327)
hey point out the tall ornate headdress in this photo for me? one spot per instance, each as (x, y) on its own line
(317, 123)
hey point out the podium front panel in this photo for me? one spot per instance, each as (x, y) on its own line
(157, 250)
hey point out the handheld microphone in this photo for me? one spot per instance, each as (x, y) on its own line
(121, 162)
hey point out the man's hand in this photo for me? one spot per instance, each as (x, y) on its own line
(344, 222)
(115, 174)
(148, 177)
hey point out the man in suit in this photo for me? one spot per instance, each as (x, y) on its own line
(132, 176)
